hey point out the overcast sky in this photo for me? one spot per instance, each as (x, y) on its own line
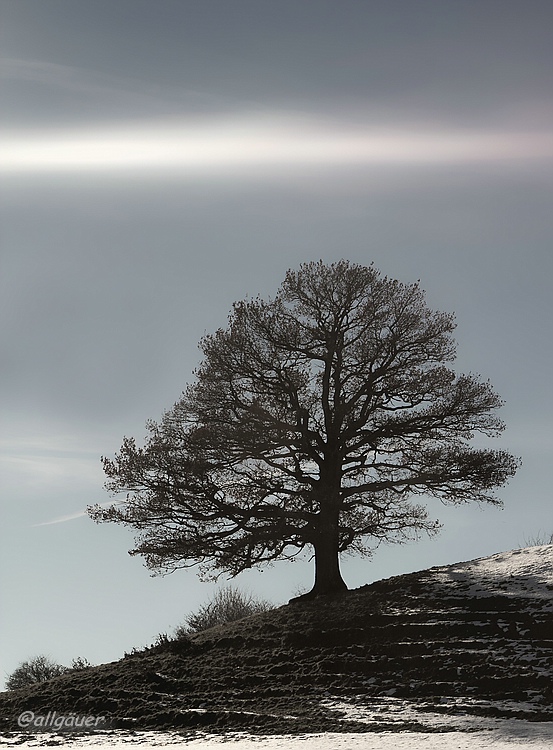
(161, 159)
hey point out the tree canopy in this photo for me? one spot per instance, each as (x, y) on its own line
(318, 420)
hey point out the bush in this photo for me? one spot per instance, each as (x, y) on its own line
(79, 663)
(227, 605)
(538, 540)
(38, 669)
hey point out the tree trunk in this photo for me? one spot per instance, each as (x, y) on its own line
(328, 579)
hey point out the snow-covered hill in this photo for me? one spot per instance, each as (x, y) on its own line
(525, 573)
(450, 649)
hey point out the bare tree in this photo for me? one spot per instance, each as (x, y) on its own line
(316, 418)
(37, 669)
(227, 604)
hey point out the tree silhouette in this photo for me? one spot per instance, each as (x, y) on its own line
(38, 669)
(315, 420)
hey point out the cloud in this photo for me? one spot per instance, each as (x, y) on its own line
(80, 80)
(71, 516)
(40, 71)
(262, 144)
(62, 519)
(48, 460)
(50, 466)
(75, 94)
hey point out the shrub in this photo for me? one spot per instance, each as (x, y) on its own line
(38, 669)
(227, 605)
(80, 663)
(538, 540)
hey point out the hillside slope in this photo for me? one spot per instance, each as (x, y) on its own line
(474, 638)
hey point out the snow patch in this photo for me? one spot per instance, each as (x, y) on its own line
(525, 573)
(504, 735)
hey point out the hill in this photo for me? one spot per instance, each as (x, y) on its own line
(465, 640)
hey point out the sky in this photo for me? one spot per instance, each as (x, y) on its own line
(161, 160)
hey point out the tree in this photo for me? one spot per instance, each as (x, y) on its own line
(314, 421)
(37, 669)
(227, 604)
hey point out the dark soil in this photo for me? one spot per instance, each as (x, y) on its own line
(277, 671)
